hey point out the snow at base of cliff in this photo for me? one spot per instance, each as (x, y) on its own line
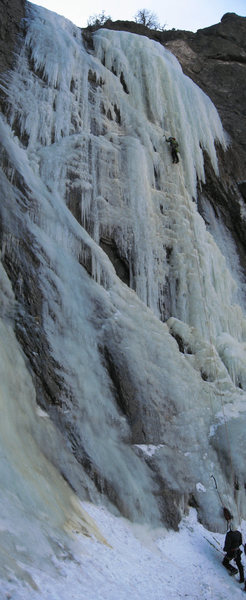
(139, 563)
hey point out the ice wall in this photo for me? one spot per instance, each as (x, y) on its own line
(109, 112)
(39, 512)
(86, 168)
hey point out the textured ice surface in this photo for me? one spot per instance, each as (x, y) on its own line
(85, 161)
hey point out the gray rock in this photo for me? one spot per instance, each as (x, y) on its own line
(11, 13)
(147, 407)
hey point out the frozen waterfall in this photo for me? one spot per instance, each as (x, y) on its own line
(128, 311)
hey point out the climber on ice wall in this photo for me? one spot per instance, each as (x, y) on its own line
(174, 148)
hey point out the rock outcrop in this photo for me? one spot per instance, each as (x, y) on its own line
(11, 14)
(215, 58)
(214, 55)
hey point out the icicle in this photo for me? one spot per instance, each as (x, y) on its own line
(85, 135)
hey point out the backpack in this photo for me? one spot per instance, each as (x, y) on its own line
(232, 541)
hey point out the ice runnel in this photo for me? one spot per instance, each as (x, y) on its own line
(86, 168)
(112, 167)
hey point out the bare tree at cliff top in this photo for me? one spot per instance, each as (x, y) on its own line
(148, 18)
(98, 20)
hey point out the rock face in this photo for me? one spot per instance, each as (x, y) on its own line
(115, 379)
(215, 58)
(11, 13)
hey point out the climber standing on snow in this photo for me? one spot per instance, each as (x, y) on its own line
(233, 541)
(174, 148)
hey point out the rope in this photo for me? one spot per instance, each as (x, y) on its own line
(216, 487)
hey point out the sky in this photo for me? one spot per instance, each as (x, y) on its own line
(178, 14)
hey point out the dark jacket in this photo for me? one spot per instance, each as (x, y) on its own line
(173, 143)
(232, 541)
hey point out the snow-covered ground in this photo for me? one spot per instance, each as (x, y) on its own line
(91, 165)
(138, 563)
